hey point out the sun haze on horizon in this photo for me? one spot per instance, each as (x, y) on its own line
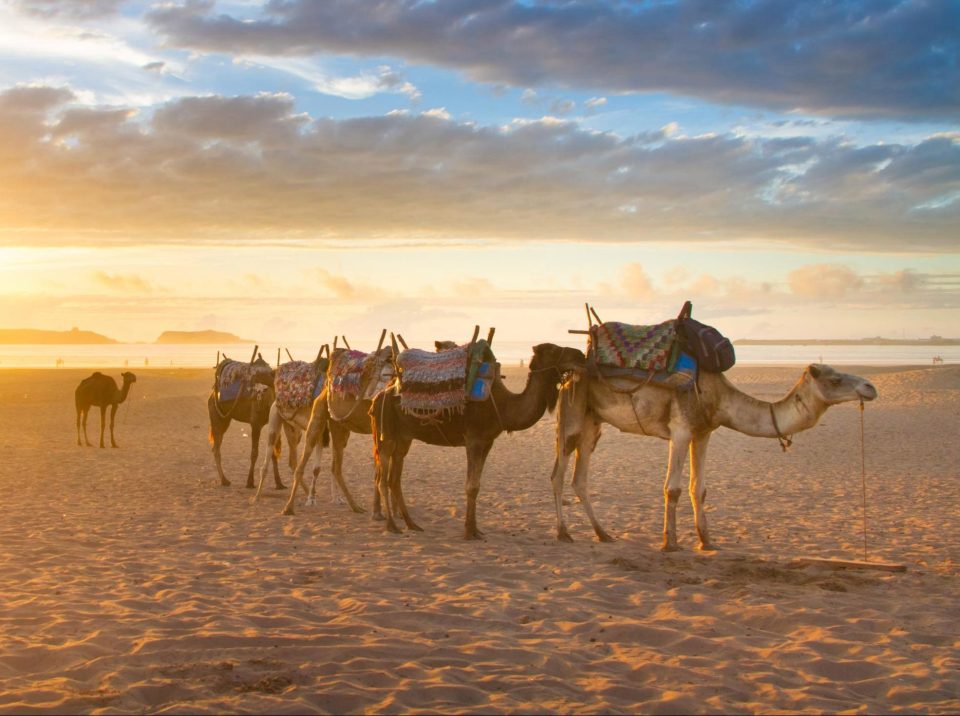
(299, 170)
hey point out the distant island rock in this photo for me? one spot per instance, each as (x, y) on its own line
(33, 336)
(218, 337)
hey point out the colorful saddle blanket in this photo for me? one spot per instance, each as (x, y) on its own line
(234, 376)
(436, 383)
(298, 383)
(649, 348)
(351, 373)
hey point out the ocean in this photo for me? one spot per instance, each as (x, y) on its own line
(139, 355)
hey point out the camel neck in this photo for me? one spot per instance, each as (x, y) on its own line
(799, 410)
(519, 411)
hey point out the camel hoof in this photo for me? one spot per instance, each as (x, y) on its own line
(287, 511)
(357, 509)
(310, 501)
(224, 482)
(604, 537)
(392, 527)
(564, 536)
(414, 526)
(668, 547)
(377, 517)
(708, 547)
(279, 486)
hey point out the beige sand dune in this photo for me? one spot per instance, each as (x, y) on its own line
(132, 582)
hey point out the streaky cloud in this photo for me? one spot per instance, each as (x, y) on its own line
(849, 58)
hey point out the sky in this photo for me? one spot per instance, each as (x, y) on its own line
(291, 170)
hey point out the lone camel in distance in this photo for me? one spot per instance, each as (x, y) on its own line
(100, 390)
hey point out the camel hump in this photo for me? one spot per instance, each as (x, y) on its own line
(97, 375)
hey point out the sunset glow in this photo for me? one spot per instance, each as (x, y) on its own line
(244, 168)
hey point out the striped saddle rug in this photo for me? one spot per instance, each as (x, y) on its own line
(235, 377)
(649, 348)
(434, 384)
(299, 382)
(355, 374)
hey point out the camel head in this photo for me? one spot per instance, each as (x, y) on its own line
(261, 372)
(833, 387)
(128, 377)
(444, 345)
(555, 361)
(378, 372)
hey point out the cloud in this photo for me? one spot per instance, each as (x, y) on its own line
(824, 281)
(635, 282)
(862, 59)
(473, 287)
(69, 9)
(124, 283)
(254, 169)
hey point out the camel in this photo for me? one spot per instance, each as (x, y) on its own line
(292, 421)
(100, 390)
(476, 429)
(686, 419)
(337, 414)
(251, 406)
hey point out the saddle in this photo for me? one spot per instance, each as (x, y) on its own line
(235, 379)
(356, 374)
(432, 384)
(668, 354)
(631, 356)
(298, 383)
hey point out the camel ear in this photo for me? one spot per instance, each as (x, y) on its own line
(814, 370)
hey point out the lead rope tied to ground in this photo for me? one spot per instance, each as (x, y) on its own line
(863, 480)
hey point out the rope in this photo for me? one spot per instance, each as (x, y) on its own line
(863, 481)
(784, 441)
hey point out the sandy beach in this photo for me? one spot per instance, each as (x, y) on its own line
(133, 583)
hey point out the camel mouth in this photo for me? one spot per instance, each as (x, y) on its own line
(867, 392)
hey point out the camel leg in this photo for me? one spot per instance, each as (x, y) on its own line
(113, 415)
(672, 488)
(698, 488)
(273, 445)
(581, 472)
(311, 439)
(79, 413)
(339, 436)
(293, 436)
(218, 427)
(103, 423)
(556, 479)
(255, 429)
(396, 486)
(86, 414)
(391, 468)
(476, 457)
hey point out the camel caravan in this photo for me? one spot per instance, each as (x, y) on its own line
(664, 380)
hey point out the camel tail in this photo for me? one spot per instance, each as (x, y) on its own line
(326, 437)
(278, 447)
(210, 435)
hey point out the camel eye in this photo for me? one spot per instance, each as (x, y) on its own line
(836, 380)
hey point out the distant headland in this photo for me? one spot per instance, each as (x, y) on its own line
(876, 341)
(200, 337)
(33, 336)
